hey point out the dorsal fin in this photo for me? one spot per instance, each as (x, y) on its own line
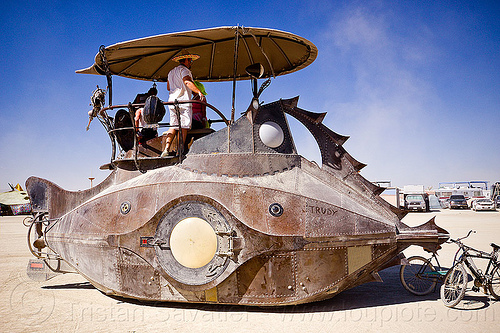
(355, 163)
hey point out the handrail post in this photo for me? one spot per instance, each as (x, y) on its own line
(236, 42)
(180, 141)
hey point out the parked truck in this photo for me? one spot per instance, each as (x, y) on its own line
(415, 198)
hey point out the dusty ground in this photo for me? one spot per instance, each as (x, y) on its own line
(68, 303)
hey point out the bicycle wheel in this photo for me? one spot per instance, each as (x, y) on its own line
(454, 285)
(494, 285)
(416, 278)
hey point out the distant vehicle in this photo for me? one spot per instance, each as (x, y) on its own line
(471, 190)
(415, 202)
(483, 204)
(495, 193)
(415, 198)
(15, 201)
(458, 201)
(497, 201)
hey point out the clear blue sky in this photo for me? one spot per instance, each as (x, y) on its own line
(415, 84)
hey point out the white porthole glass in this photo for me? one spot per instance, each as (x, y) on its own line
(193, 242)
(271, 134)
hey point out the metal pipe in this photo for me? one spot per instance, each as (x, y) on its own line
(235, 68)
(219, 113)
(107, 71)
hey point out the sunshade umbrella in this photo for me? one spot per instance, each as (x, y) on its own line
(150, 58)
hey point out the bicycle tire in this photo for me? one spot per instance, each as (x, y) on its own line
(412, 279)
(454, 285)
(494, 285)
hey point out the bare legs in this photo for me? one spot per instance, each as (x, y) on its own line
(170, 136)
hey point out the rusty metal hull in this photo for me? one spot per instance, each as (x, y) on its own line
(288, 231)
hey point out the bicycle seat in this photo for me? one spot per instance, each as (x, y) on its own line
(495, 247)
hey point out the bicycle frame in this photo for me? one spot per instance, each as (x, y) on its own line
(467, 257)
(433, 275)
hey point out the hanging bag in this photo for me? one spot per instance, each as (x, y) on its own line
(154, 110)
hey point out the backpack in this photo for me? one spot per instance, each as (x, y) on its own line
(154, 110)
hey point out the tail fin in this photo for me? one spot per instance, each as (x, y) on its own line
(428, 235)
(48, 197)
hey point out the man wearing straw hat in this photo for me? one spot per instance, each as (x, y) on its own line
(180, 85)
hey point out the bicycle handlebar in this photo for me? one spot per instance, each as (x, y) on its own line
(466, 248)
(459, 240)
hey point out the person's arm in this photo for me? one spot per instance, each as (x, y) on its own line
(137, 117)
(190, 84)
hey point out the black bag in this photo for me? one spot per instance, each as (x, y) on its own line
(154, 110)
(125, 138)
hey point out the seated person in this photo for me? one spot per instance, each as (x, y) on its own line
(144, 132)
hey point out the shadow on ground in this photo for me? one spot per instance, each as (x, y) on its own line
(368, 295)
(81, 285)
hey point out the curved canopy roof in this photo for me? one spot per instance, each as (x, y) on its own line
(150, 58)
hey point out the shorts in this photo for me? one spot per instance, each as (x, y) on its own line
(186, 113)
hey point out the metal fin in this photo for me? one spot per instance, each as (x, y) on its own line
(355, 163)
(400, 213)
(335, 137)
(290, 103)
(313, 117)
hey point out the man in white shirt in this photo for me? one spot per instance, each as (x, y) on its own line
(180, 86)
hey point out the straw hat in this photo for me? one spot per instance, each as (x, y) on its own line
(186, 55)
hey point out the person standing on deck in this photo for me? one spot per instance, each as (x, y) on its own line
(180, 86)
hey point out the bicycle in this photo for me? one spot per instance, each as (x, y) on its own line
(420, 276)
(455, 281)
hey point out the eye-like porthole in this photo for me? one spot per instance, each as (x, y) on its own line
(189, 238)
(271, 134)
(193, 242)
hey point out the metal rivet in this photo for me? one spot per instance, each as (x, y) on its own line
(125, 207)
(276, 209)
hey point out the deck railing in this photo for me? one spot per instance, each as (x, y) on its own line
(105, 120)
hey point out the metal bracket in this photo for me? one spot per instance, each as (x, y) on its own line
(228, 249)
(152, 242)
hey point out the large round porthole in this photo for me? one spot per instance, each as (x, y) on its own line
(193, 242)
(271, 134)
(188, 240)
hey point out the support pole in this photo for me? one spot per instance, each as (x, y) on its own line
(107, 71)
(236, 42)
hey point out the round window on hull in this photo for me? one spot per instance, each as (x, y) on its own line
(191, 235)
(193, 242)
(271, 134)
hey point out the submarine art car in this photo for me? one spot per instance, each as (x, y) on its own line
(240, 218)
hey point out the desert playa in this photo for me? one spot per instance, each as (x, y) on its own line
(68, 303)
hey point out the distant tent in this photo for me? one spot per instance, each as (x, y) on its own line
(15, 202)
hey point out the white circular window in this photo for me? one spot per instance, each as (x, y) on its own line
(271, 134)
(193, 242)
